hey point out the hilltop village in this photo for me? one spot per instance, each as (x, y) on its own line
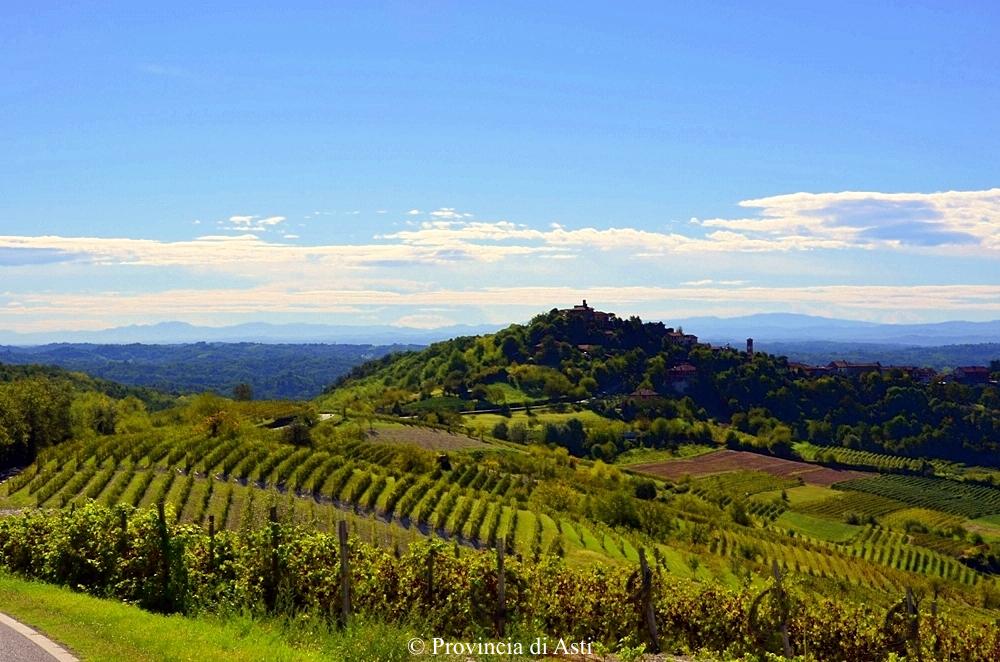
(678, 375)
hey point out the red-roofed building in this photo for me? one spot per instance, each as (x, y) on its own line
(973, 374)
(644, 394)
(679, 376)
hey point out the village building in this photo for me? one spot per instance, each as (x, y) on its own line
(917, 374)
(679, 376)
(588, 314)
(644, 394)
(683, 339)
(849, 369)
(972, 375)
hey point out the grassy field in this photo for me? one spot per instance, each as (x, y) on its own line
(651, 455)
(817, 527)
(801, 495)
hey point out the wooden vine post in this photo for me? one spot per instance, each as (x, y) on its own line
(161, 525)
(271, 588)
(646, 602)
(211, 543)
(123, 540)
(345, 574)
(429, 583)
(780, 602)
(902, 625)
(786, 644)
(501, 594)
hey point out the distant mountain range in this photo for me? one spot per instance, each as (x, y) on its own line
(168, 333)
(786, 327)
(764, 328)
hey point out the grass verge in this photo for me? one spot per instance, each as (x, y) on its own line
(96, 629)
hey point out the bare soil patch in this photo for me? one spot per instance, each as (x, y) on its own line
(724, 461)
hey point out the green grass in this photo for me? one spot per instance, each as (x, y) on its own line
(108, 630)
(96, 629)
(650, 455)
(801, 495)
(817, 527)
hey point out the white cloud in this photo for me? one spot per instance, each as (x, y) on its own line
(946, 220)
(253, 223)
(414, 212)
(449, 213)
(419, 265)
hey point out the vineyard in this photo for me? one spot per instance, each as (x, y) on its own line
(144, 558)
(399, 486)
(235, 483)
(964, 499)
(393, 495)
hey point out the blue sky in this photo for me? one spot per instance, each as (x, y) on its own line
(438, 162)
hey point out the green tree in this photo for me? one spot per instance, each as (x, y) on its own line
(243, 392)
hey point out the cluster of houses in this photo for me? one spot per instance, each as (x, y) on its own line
(679, 376)
(969, 375)
(602, 321)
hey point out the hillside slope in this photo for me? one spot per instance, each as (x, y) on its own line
(631, 370)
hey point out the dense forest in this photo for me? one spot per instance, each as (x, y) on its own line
(571, 358)
(41, 406)
(272, 371)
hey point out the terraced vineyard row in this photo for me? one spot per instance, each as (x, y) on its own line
(236, 482)
(965, 499)
(862, 505)
(199, 476)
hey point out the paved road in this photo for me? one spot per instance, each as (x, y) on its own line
(18, 644)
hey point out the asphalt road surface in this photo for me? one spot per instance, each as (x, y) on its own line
(18, 647)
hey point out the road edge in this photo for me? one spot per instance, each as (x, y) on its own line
(39, 639)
